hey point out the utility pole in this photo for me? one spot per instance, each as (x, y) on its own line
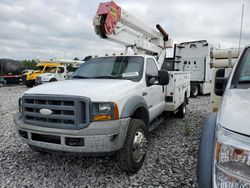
(242, 13)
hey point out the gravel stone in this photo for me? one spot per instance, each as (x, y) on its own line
(170, 162)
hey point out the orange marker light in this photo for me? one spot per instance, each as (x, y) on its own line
(101, 117)
(116, 111)
(217, 149)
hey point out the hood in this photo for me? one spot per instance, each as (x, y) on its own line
(234, 113)
(95, 89)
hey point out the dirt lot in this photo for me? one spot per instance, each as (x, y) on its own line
(170, 162)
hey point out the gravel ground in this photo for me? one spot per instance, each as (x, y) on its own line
(170, 162)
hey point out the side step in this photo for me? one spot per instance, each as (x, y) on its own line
(155, 123)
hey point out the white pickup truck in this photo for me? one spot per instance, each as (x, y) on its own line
(108, 106)
(224, 155)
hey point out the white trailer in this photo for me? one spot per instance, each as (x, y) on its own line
(195, 57)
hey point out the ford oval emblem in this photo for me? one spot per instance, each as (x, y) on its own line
(45, 111)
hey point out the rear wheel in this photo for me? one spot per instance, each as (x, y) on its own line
(194, 90)
(131, 156)
(182, 109)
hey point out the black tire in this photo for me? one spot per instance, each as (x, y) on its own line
(194, 90)
(53, 80)
(30, 83)
(182, 109)
(126, 156)
(206, 153)
(36, 149)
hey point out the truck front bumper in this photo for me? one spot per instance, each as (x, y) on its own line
(98, 137)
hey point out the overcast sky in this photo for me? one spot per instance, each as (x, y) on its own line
(63, 28)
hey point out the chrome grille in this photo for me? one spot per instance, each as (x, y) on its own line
(66, 112)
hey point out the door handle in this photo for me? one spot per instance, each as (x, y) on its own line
(144, 93)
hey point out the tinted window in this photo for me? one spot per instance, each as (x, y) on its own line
(40, 68)
(151, 68)
(60, 69)
(50, 69)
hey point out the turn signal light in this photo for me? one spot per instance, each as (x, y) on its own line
(101, 117)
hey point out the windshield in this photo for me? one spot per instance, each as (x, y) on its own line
(245, 69)
(38, 68)
(121, 67)
(50, 69)
(242, 73)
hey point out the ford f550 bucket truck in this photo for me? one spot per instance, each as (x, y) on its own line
(224, 155)
(111, 103)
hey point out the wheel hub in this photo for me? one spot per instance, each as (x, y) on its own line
(184, 109)
(139, 145)
(195, 90)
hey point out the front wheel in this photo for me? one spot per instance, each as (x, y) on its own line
(53, 80)
(30, 83)
(131, 156)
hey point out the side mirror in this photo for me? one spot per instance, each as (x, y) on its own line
(163, 78)
(220, 82)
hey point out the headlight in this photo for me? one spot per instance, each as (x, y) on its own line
(20, 103)
(232, 159)
(104, 111)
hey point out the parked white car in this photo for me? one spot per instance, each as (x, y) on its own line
(224, 155)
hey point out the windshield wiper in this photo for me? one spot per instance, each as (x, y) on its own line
(80, 77)
(108, 77)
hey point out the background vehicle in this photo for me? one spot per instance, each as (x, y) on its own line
(29, 78)
(48, 71)
(2, 81)
(11, 70)
(225, 143)
(194, 56)
(59, 72)
(111, 103)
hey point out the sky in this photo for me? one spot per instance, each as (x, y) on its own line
(45, 29)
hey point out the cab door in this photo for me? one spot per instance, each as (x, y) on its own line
(61, 73)
(154, 94)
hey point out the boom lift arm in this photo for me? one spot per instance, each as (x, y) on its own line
(115, 24)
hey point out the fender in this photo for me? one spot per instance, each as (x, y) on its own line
(132, 104)
(206, 152)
